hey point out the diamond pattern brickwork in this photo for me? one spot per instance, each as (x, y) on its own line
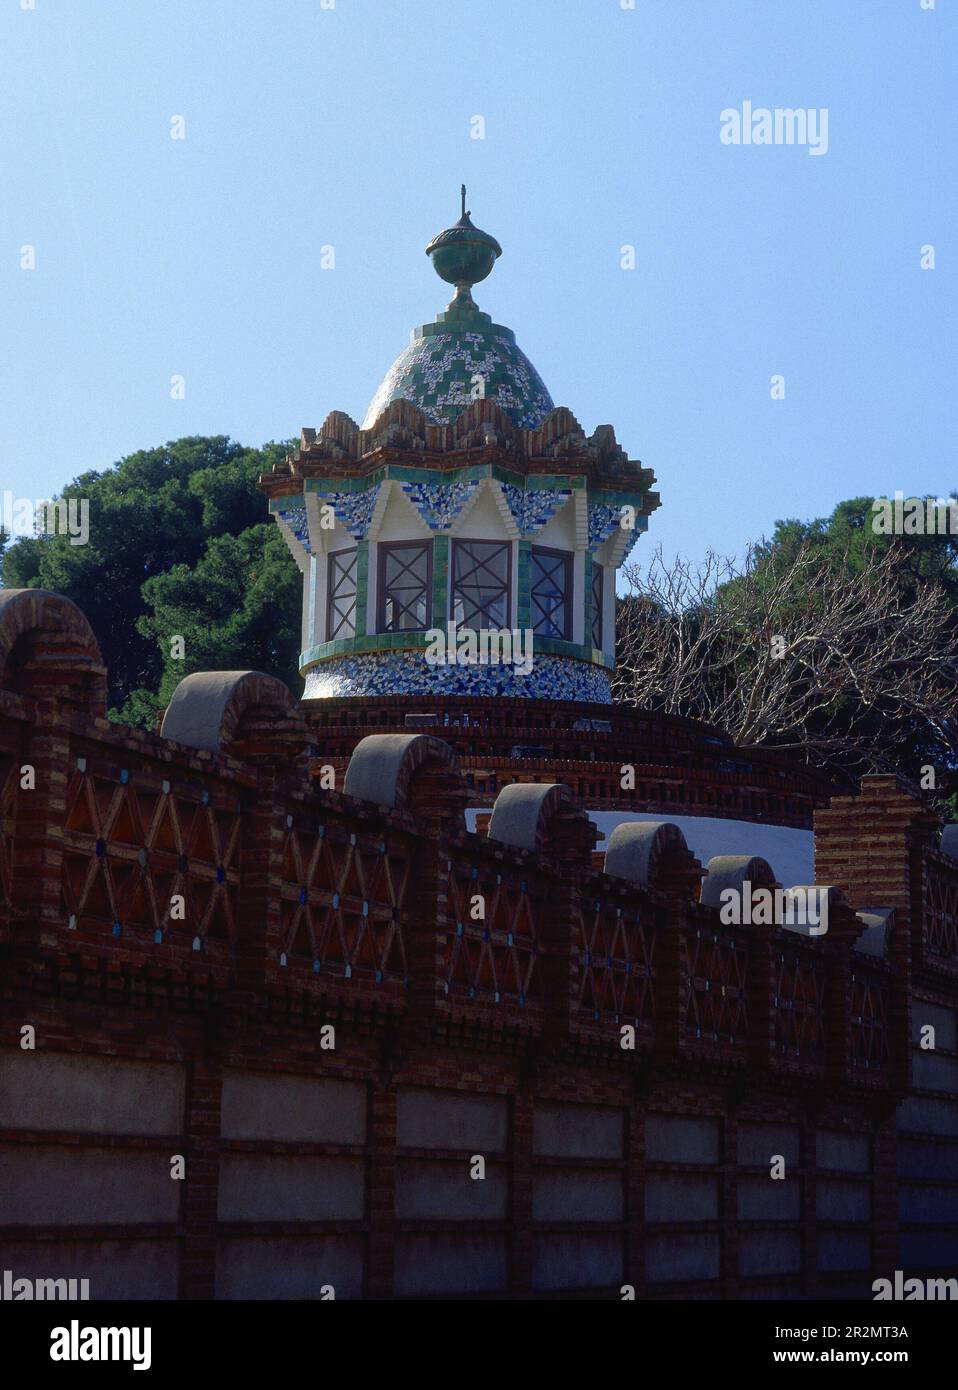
(343, 899)
(134, 845)
(494, 959)
(616, 964)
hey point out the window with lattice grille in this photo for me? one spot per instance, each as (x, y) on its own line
(598, 586)
(341, 594)
(551, 593)
(405, 582)
(480, 584)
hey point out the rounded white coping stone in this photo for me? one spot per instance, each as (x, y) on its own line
(633, 845)
(194, 715)
(516, 812)
(731, 871)
(375, 765)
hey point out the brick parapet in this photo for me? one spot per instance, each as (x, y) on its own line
(328, 881)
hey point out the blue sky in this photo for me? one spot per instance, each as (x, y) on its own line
(350, 127)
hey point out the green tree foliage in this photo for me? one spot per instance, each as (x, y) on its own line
(848, 538)
(238, 607)
(180, 545)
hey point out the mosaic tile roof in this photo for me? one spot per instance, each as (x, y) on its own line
(442, 373)
(463, 356)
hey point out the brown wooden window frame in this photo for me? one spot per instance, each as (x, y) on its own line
(598, 604)
(567, 558)
(330, 557)
(476, 540)
(383, 550)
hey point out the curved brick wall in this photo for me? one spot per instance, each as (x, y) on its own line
(348, 1164)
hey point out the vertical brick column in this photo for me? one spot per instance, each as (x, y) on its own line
(434, 800)
(38, 845)
(870, 846)
(48, 648)
(198, 1201)
(842, 929)
(428, 901)
(262, 728)
(764, 947)
(381, 1191)
(568, 840)
(672, 925)
(560, 957)
(258, 915)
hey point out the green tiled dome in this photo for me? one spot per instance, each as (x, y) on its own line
(438, 372)
(463, 354)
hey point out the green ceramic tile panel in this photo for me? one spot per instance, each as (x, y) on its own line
(403, 473)
(362, 586)
(507, 475)
(440, 580)
(336, 484)
(523, 598)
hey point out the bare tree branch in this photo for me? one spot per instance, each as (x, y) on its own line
(796, 651)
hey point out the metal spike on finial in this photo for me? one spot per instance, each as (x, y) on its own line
(463, 255)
